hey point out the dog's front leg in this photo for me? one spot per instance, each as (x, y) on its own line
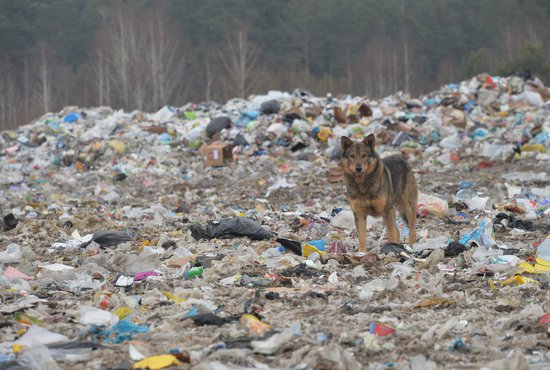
(360, 217)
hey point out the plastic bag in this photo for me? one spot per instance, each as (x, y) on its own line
(273, 343)
(110, 238)
(230, 228)
(157, 362)
(12, 254)
(428, 204)
(37, 335)
(38, 358)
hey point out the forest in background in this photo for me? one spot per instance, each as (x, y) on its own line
(144, 54)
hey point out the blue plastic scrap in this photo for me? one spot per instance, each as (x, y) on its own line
(459, 346)
(122, 331)
(71, 117)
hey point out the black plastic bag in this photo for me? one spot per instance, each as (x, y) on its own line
(107, 238)
(231, 228)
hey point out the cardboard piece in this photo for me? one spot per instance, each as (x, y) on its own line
(216, 154)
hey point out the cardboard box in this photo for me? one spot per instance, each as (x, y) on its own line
(216, 154)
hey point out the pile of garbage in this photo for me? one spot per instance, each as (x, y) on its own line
(219, 236)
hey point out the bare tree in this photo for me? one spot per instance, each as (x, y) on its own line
(376, 67)
(9, 102)
(241, 60)
(26, 87)
(210, 75)
(124, 54)
(140, 57)
(100, 67)
(165, 56)
(406, 65)
(44, 78)
(132, 61)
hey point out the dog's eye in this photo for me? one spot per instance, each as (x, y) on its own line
(365, 156)
(352, 156)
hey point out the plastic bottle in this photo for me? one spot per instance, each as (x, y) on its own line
(70, 354)
(543, 252)
(39, 358)
(7, 358)
(105, 302)
(193, 273)
(274, 252)
(402, 227)
(465, 195)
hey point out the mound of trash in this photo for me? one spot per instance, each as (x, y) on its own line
(219, 236)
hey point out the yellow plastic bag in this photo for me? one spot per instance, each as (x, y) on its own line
(518, 280)
(308, 249)
(157, 362)
(254, 324)
(171, 296)
(122, 312)
(539, 148)
(538, 268)
(118, 146)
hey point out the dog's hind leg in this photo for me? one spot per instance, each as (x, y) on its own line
(409, 212)
(407, 208)
(389, 220)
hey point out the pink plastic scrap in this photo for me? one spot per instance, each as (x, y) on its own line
(143, 275)
(13, 273)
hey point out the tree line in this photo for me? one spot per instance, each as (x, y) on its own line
(143, 54)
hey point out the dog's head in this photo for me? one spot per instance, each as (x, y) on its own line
(358, 159)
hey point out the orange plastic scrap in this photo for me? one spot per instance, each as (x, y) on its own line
(157, 362)
(545, 319)
(429, 302)
(254, 324)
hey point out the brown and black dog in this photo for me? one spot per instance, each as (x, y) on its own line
(376, 187)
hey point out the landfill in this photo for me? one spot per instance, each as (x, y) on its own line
(213, 236)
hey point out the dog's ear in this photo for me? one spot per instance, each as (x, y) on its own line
(369, 141)
(345, 143)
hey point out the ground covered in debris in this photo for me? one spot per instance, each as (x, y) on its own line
(122, 246)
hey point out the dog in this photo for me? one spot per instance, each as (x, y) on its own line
(377, 187)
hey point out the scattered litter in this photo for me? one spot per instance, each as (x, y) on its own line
(221, 235)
